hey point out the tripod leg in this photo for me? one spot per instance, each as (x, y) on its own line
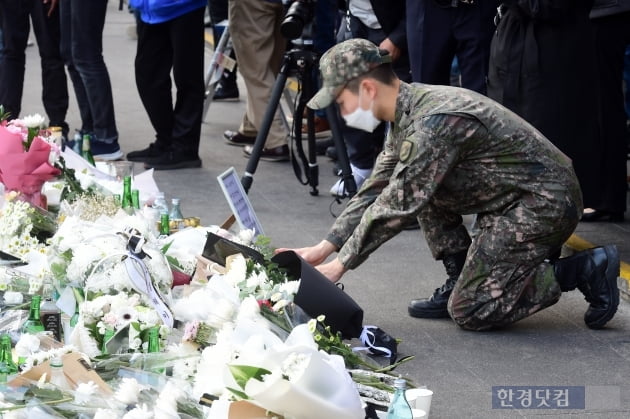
(263, 131)
(342, 154)
(215, 70)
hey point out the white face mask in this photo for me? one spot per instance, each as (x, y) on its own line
(363, 119)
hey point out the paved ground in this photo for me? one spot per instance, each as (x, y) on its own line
(552, 348)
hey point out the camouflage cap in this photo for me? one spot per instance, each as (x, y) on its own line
(342, 63)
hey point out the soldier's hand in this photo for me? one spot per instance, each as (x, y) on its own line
(314, 255)
(332, 270)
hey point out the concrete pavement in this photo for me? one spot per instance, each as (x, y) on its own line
(551, 348)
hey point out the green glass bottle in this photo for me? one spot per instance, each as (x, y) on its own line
(154, 346)
(154, 339)
(34, 323)
(109, 333)
(135, 199)
(126, 197)
(165, 228)
(5, 355)
(86, 152)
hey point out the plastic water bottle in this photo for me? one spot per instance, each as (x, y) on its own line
(399, 407)
(160, 203)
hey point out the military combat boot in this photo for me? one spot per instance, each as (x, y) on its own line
(594, 272)
(434, 307)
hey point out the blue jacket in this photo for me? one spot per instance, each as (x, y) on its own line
(158, 11)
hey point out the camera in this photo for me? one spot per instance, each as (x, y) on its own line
(299, 15)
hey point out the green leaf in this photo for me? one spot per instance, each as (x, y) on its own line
(243, 373)
(238, 393)
(167, 246)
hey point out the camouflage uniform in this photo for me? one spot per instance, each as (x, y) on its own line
(451, 152)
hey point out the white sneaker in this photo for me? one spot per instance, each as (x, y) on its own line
(339, 189)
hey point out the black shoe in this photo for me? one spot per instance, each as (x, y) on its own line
(435, 307)
(148, 153)
(229, 93)
(331, 152)
(238, 139)
(170, 160)
(594, 272)
(270, 154)
(597, 215)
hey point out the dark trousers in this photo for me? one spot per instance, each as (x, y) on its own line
(15, 16)
(82, 25)
(612, 34)
(176, 45)
(436, 34)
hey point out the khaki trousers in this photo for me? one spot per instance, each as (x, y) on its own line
(259, 47)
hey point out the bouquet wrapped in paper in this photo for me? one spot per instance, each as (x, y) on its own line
(25, 158)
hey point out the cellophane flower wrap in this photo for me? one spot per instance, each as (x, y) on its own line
(27, 157)
(91, 257)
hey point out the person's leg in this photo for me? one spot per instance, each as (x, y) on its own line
(473, 28)
(65, 48)
(430, 42)
(15, 24)
(54, 82)
(87, 22)
(186, 34)
(612, 34)
(153, 63)
(449, 241)
(506, 276)
(259, 46)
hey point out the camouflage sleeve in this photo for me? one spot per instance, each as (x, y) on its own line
(425, 158)
(348, 220)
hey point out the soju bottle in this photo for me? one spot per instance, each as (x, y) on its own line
(154, 340)
(399, 407)
(5, 355)
(165, 228)
(86, 152)
(135, 199)
(34, 322)
(126, 197)
(154, 346)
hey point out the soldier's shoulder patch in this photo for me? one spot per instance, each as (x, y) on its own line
(406, 150)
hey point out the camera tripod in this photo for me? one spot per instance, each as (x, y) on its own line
(301, 63)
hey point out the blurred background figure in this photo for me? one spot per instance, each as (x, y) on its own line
(16, 17)
(440, 30)
(384, 24)
(259, 47)
(170, 39)
(82, 24)
(611, 28)
(542, 66)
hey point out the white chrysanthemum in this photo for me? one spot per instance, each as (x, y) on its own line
(128, 391)
(27, 345)
(139, 412)
(84, 392)
(246, 236)
(13, 298)
(166, 403)
(34, 121)
(237, 268)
